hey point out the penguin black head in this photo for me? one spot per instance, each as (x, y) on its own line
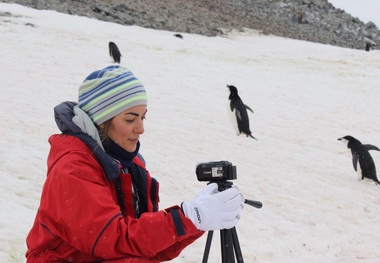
(348, 139)
(114, 52)
(233, 91)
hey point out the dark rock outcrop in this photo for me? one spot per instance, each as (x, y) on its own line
(311, 20)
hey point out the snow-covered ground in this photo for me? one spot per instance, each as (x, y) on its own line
(304, 95)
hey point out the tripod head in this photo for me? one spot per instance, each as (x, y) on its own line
(223, 185)
(220, 172)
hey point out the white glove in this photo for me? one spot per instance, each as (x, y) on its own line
(212, 210)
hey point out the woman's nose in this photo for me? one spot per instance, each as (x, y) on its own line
(139, 128)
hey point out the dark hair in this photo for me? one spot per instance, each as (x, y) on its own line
(103, 132)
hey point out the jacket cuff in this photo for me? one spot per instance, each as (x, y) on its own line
(174, 211)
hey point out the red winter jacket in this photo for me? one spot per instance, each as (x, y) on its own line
(79, 219)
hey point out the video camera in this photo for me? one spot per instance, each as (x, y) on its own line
(216, 171)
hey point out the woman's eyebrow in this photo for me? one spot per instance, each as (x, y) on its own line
(134, 114)
(131, 113)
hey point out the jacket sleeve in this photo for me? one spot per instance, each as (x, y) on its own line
(79, 207)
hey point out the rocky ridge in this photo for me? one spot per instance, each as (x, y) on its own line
(311, 20)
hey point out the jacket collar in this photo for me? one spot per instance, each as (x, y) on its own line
(64, 115)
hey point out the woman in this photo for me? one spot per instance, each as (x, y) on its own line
(99, 203)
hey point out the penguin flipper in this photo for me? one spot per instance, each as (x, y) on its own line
(355, 159)
(248, 108)
(232, 107)
(371, 147)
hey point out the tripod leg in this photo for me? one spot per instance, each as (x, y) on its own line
(207, 248)
(235, 240)
(227, 246)
(229, 242)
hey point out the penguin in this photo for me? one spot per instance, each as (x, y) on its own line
(239, 113)
(368, 47)
(179, 36)
(361, 156)
(114, 52)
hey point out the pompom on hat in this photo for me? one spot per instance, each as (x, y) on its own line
(110, 91)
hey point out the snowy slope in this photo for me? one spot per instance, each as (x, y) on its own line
(304, 96)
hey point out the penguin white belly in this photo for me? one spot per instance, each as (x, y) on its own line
(233, 120)
(359, 171)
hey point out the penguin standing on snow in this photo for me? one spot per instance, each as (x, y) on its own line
(114, 52)
(239, 112)
(179, 36)
(360, 154)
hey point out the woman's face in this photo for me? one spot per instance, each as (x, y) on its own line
(126, 127)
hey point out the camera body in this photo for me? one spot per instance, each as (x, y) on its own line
(216, 171)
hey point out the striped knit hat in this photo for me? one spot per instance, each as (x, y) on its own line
(110, 91)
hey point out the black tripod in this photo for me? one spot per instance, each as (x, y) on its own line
(229, 240)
